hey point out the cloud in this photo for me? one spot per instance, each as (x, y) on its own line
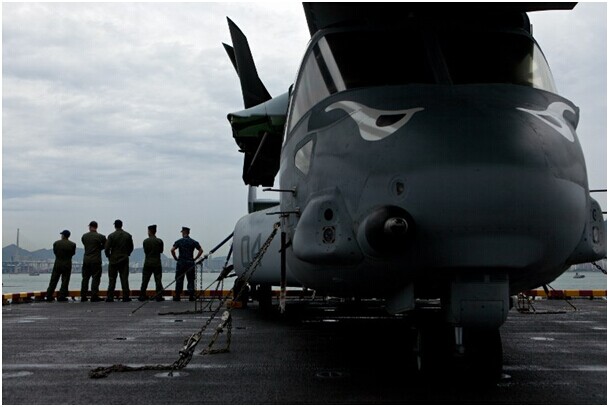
(120, 110)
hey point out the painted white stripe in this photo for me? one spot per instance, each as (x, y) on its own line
(366, 118)
(555, 111)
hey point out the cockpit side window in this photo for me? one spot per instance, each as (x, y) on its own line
(311, 88)
(348, 60)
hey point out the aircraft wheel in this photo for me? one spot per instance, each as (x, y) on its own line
(431, 350)
(483, 354)
(264, 293)
(243, 293)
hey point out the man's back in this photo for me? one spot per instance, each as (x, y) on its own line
(118, 246)
(94, 244)
(64, 250)
(153, 247)
(186, 247)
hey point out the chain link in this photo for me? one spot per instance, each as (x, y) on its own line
(240, 282)
(599, 267)
(191, 342)
(101, 372)
(198, 279)
(227, 322)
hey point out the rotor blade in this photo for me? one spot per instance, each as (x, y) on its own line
(321, 15)
(231, 55)
(252, 87)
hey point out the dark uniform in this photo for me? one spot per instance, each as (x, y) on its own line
(153, 247)
(118, 248)
(186, 264)
(63, 250)
(92, 264)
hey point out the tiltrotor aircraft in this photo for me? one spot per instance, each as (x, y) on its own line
(423, 152)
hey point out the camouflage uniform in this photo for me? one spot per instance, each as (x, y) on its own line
(118, 248)
(63, 249)
(92, 263)
(153, 247)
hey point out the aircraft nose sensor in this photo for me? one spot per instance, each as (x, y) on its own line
(385, 231)
(396, 226)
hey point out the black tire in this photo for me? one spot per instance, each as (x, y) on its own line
(431, 350)
(264, 295)
(483, 354)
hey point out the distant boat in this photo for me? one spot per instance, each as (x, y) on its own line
(34, 273)
(577, 275)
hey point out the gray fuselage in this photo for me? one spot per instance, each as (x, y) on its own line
(460, 163)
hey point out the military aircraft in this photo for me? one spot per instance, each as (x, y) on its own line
(423, 153)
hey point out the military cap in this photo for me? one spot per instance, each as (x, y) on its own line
(66, 233)
(185, 229)
(152, 228)
(93, 224)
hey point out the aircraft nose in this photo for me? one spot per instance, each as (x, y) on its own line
(385, 231)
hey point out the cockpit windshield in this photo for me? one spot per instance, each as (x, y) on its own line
(500, 57)
(347, 60)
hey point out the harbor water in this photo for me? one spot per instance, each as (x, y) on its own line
(15, 283)
(23, 282)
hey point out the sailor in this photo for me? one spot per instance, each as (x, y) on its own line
(92, 262)
(63, 249)
(153, 247)
(118, 248)
(186, 263)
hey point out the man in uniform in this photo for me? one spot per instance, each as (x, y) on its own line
(92, 262)
(63, 249)
(153, 247)
(186, 263)
(118, 248)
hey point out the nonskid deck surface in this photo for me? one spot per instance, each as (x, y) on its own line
(317, 353)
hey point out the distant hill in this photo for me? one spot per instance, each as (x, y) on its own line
(10, 253)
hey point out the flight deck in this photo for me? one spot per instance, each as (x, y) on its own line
(318, 352)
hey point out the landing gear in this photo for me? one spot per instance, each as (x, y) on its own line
(483, 354)
(473, 355)
(264, 294)
(431, 350)
(474, 306)
(242, 293)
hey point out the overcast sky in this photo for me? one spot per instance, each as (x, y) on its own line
(118, 110)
